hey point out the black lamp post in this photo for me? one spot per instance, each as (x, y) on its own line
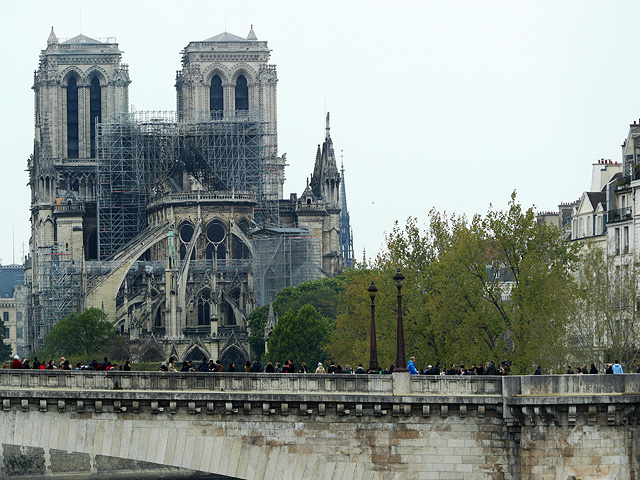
(373, 347)
(401, 363)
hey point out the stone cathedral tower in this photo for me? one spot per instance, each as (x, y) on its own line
(79, 82)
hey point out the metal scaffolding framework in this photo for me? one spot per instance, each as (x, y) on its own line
(59, 289)
(285, 257)
(143, 154)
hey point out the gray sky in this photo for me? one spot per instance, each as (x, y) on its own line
(451, 105)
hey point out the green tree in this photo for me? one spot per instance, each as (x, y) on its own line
(257, 324)
(493, 287)
(80, 334)
(5, 350)
(323, 294)
(299, 337)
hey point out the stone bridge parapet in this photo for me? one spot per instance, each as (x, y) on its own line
(362, 426)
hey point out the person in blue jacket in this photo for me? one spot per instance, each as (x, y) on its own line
(411, 366)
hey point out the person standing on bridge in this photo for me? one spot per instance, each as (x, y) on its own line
(617, 368)
(16, 364)
(411, 366)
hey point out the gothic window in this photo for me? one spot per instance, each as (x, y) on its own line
(73, 148)
(240, 250)
(95, 111)
(216, 235)
(216, 103)
(242, 93)
(186, 234)
(204, 308)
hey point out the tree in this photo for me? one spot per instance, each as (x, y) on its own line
(87, 333)
(493, 287)
(5, 350)
(605, 318)
(299, 337)
(323, 294)
(257, 324)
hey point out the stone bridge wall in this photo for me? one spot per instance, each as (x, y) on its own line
(270, 426)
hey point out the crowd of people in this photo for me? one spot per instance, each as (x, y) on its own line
(208, 365)
(63, 364)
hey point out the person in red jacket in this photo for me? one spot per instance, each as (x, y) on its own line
(16, 363)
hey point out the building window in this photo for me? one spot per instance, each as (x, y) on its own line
(242, 93)
(95, 111)
(626, 239)
(73, 149)
(6, 333)
(617, 241)
(216, 102)
(5, 316)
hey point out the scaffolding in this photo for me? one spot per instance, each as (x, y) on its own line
(143, 154)
(59, 281)
(286, 257)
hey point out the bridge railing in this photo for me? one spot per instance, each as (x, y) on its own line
(509, 386)
(246, 382)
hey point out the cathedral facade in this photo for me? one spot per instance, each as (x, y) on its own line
(173, 223)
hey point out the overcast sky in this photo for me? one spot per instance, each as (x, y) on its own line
(451, 105)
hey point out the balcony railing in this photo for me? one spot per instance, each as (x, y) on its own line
(619, 215)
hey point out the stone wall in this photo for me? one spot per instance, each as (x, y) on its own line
(269, 426)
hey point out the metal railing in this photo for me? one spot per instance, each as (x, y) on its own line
(620, 215)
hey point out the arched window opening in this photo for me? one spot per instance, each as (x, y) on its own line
(216, 232)
(95, 111)
(231, 316)
(186, 232)
(216, 102)
(240, 250)
(242, 93)
(221, 252)
(158, 319)
(73, 148)
(204, 309)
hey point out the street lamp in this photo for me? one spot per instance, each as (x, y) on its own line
(373, 347)
(401, 363)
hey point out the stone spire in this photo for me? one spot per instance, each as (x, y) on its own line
(52, 38)
(252, 34)
(269, 327)
(346, 234)
(325, 178)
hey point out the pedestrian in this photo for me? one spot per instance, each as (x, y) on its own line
(617, 368)
(320, 368)
(570, 370)
(593, 370)
(16, 364)
(232, 367)
(411, 366)
(538, 371)
(303, 368)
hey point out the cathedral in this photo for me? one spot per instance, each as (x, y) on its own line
(172, 223)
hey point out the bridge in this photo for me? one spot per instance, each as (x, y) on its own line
(307, 426)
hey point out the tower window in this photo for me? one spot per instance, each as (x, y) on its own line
(73, 150)
(216, 103)
(242, 94)
(95, 111)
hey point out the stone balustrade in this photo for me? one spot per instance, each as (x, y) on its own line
(468, 386)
